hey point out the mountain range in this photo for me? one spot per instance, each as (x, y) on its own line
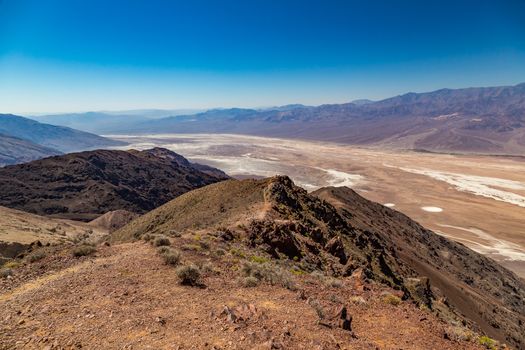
(487, 120)
(23, 139)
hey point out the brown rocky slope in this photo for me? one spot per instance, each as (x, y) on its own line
(85, 185)
(288, 224)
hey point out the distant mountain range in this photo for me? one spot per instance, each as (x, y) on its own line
(107, 122)
(23, 139)
(478, 120)
(14, 150)
(85, 185)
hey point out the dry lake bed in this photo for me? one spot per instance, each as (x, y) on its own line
(476, 200)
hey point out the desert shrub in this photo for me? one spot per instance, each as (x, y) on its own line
(237, 252)
(171, 256)
(204, 245)
(11, 264)
(192, 247)
(175, 233)
(259, 259)
(391, 299)
(83, 250)
(147, 237)
(250, 282)
(487, 342)
(334, 283)
(269, 273)
(219, 252)
(5, 272)
(357, 300)
(206, 267)
(314, 303)
(161, 241)
(457, 333)
(34, 257)
(189, 275)
(163, 249)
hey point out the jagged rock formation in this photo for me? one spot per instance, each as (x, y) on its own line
(87, 184)
(359, 237)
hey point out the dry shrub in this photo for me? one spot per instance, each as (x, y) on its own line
(391, 299)
(83, 250)
(36, 256)
(170, 256)
(270, 273)
(189, 275)
(161, 241)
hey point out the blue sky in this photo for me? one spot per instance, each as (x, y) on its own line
(67, 55)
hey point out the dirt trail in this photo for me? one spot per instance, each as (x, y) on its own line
(128, 299)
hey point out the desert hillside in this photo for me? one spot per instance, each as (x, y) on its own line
(85, 185)
(260, 264)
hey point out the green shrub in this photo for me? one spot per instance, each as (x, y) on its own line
(161, 241)
(34, 257)
(189, 275)
(487, 342)
(83, 250)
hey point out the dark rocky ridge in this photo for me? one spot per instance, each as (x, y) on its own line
(87, 184)
(359, 237)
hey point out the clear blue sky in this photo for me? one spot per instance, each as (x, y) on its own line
(61, 56)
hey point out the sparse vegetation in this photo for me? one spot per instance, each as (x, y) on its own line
(169, 255)
(13, 264)
(5, 272)
(270, 273)
(487, 342)
(250, 282)
(391, 299)
(163, 249)
(334, 283)
(83, 250)
(175, 233)
(204, 245)
(457, 333)
(161, 241)
(259, 259)
(189, 275)
(192, 247)
(219, 252)
(36, 256)
(316, 305)
(237, 252)
(147, 237)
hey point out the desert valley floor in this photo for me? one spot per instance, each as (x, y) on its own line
(476, 200)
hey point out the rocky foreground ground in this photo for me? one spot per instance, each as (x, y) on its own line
(126, 296)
